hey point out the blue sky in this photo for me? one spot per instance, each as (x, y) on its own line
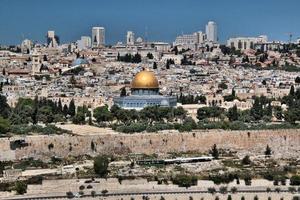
(164, 19)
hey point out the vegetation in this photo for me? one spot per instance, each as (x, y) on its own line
(184, 180)
(101, 165)
(130, 58)
(20, 187)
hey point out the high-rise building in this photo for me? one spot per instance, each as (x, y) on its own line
(212, 31)
(130, 38)
(52, 39)
(98, 36)
(84, 43)
(26, 46)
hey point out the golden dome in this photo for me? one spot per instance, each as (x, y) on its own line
(145, 80)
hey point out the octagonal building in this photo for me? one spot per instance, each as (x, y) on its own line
(145, 92)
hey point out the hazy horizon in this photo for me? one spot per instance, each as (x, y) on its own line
(163, 19)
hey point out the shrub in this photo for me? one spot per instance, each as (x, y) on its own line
(101, 165)
(233, 190)
(69, 194)
(295, 180)
(184, 180)
(20, 187)
(292, 189)
(246, 160)
(211, 190)
(223, 190)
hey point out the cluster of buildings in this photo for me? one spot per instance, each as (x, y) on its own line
(89, 72)
(198, 39)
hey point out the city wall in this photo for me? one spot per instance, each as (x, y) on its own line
(284, 143)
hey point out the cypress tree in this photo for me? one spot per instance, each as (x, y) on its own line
(72, 108)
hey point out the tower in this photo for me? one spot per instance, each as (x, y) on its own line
(130, 38)
(36, 64)
(212, 31)
(52, 39)
(98, 36)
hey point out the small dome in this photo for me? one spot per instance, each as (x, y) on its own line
(145, 80)
(139, 40)
(80, 61)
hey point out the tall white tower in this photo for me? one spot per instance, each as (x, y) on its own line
(130, 38)
(212, 31)
(98, 36)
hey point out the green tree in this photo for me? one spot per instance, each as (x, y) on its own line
(20, 187)
(256, 111)
(101, 165)
(214, 152)
(4, 107)
(268, 151)
(292, 91)
(72, 108)
(246, 160)
(65, 110)
(102, 114)
(123, 92)
(59, 106)
(150, 55)
(4, 126)
(45, 114)
(223, 86)
(154, 65)
(233, 114)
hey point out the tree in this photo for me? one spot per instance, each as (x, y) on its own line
(233, 114)
(246, 160)
(65, 110)
(101, 165)
(123, 92)
(214, 152)
(150, 55)
(295, 180)
(70, 194)
(102, 114)
(72, 108)
(154, 65)
(223, 86)
(3, 71)
(256, 111)
(209, 112)
(20, 187)
(175, 50)
(292, 91)
(4, 107)
(59, 106)
(4, 126)
(297, 79)
(268, 151)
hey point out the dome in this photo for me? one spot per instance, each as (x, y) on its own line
(80, 61)
(139, 40)
(145, 80)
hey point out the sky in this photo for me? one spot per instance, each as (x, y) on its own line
(163, 20)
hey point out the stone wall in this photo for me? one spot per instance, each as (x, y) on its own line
(284, 143)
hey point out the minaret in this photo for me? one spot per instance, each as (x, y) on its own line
(36, 63)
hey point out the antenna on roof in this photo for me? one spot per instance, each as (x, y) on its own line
(146, 34)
